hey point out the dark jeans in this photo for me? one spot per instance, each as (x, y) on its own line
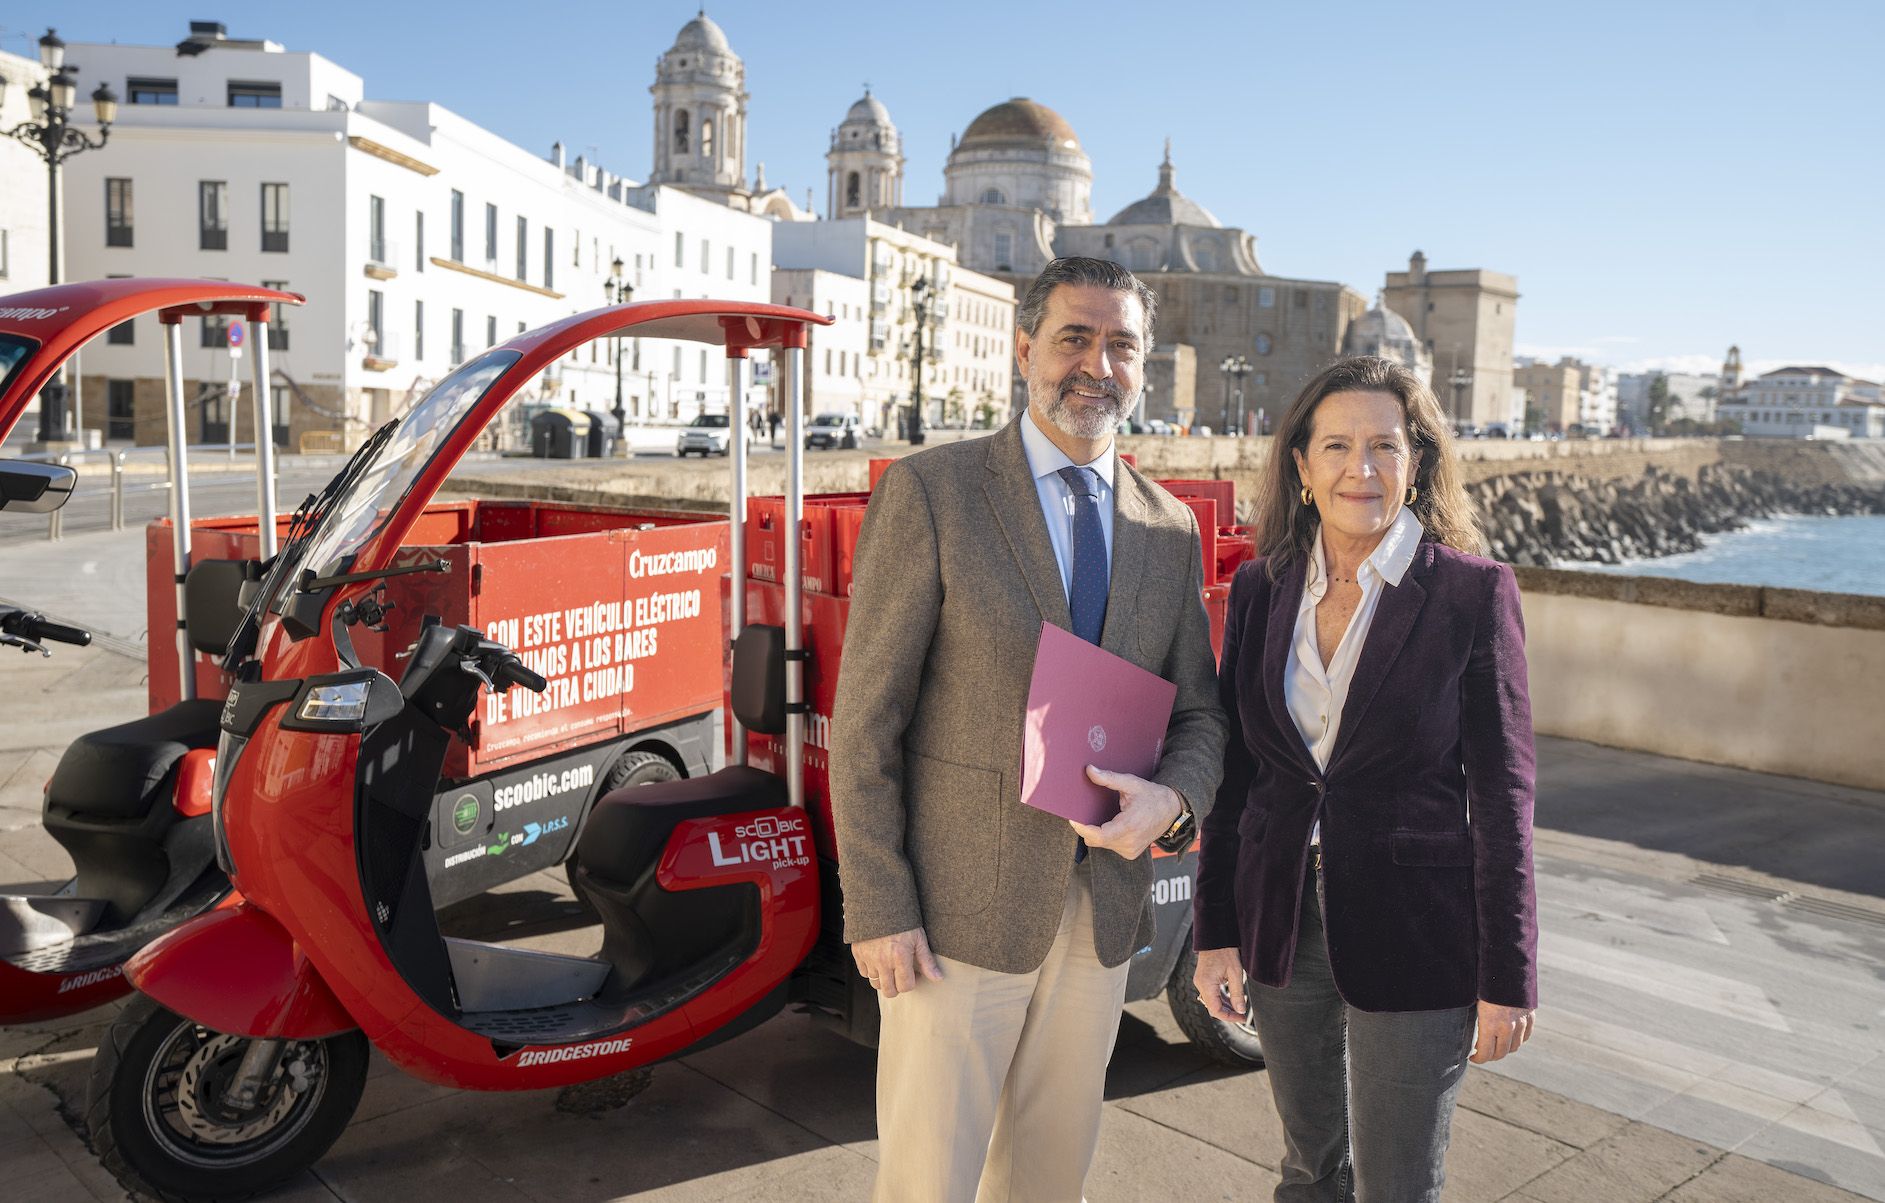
(1366, 1097)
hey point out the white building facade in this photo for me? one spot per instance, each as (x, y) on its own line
(1791, 402)
(418, 238)
(23, 199)
(835, 360)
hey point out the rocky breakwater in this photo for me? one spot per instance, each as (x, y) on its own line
(1543, 518)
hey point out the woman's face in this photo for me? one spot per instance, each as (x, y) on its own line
(1358, 464)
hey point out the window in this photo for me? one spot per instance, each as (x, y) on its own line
(418, 241)
(458, 227)
(277, 318)
(274, 217)
(120, 409)
(376, 323)
(703, 367)
(1266, 298)
(418, 330)
(853, 190)
(212, 215)
(729, 263)
(755, 267)
(124, 334)
(680, 132)
(458, 336)
(706, 257)
(1301, 296)
(706, 139)
(376, 229)
(490, 331)
(243, 95)
(680, 250)
(677, 363)
(117, 212)
(490, 234)
(549, 257)
(1004, 251)
(3, 253)
(993, 196)
(215, 330)
(150, 91)
(523, 248)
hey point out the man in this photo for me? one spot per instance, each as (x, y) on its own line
(998, 935)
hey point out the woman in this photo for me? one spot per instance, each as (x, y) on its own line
(1368, 861)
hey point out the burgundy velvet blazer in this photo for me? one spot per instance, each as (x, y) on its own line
(1426, 806)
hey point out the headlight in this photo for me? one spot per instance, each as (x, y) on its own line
(344, 702)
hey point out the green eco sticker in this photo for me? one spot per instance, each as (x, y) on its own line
(465, 814)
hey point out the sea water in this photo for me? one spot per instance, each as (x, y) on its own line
(1833, 555)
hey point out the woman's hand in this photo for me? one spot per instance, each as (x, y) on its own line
(1501, 1030)
(1220, 975)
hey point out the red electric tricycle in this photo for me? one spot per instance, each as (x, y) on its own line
(246, 1053)
(130, 804)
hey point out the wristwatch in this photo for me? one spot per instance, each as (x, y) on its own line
(1178, 835)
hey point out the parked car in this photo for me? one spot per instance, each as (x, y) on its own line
(1498, 430)
(828, 432)
(705, 435)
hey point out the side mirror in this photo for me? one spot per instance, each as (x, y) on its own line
(29, 487)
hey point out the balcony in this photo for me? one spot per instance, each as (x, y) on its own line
(382, 254)
(381, 351)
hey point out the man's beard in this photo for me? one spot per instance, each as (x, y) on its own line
(1080, 419)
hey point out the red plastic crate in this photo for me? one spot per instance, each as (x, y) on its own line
(877, 470)
(1205, 510)
(1235, 546)
(847, 522)
(765, 546)
(1224, 492)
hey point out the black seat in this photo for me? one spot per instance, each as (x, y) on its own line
(119, 773)
(627, 830)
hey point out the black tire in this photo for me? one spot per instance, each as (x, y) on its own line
(190, 1155)
(1235, 1045)
(634, 768)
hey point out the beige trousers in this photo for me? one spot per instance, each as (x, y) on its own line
(990, 1085)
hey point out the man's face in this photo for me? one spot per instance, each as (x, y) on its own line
(1085, 363)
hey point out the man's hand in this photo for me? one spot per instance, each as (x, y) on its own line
(1221, 973)
(1501, 1031)
(1146, 810)
(891, 963)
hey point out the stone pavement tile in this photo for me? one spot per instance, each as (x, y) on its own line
(1826, 1147)
(1594, 1075)
(798, 1069)
(1490, 1092)
(1737, 1179)
(825, 1175)
(1151, 1051)
(1718, 1112)
(1635, 1165)
(51, 1186)
(1140, 1159)
(1234, 1112)
(1488, 1158)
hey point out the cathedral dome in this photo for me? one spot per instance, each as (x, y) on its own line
(702, 34)
(1166, 206)
(1381, 331)
(869, 109)
(1020, 120)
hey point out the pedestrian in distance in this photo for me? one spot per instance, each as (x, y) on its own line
(1368, 861)
(772, 421)
(997, 935)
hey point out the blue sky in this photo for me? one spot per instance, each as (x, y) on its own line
(1664, 177)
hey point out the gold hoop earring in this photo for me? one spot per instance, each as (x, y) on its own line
(1413, 495)
(1307, 497)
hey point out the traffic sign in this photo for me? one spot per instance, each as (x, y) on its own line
(237, 332)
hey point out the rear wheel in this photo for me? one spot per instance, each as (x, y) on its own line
(634, 768)
(162, 1121)
(1232, 1044)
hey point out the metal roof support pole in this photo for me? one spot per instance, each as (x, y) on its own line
(179, 499)
(793, 537)
(736, 518)
(264, 441)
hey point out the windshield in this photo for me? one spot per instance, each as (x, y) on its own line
(710, 420)
(828, 420)
(13, 352)
(363, 511)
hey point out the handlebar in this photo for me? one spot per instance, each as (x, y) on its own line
(27, 630)
(59, 632)
(511, 671)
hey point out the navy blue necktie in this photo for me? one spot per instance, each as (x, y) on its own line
(1089, 571)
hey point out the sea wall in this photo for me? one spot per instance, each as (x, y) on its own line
(1775, 680)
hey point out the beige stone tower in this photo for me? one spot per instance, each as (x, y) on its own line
(700, 115)
(865, 161)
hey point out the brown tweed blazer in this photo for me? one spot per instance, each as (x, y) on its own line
(953, 577)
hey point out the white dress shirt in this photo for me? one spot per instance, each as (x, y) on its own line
(1045, 461)
(1316, 692)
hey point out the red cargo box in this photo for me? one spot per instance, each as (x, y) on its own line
(619, 608)
(847, 523)
(1216, 606)
(1204, 509)
(1235, 546)
(765, 549)
(877, 470)
(1224, 492)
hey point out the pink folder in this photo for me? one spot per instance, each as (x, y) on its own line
(1088, 706)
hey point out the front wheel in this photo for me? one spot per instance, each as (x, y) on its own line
(1232, 1044)
(163, 1122)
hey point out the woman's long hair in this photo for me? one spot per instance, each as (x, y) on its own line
(1286, 528)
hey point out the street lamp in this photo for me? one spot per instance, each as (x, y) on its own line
(1234, 366)
(618, 291)
(1460, 380)
(52, 135)
(919, 299)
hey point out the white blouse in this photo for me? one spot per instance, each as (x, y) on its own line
(1316, 692)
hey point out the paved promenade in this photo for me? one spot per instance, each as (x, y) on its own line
(1713, 1029)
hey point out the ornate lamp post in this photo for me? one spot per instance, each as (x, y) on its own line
(1460, 380)
(52, 135)
(618, 291)
(1234, 367)
(919, 299)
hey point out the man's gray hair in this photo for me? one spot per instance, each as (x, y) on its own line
(1079, 269)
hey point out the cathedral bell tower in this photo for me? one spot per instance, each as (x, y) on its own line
(700, 115)
(865, 161)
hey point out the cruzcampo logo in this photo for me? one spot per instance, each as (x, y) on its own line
(465, 814)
